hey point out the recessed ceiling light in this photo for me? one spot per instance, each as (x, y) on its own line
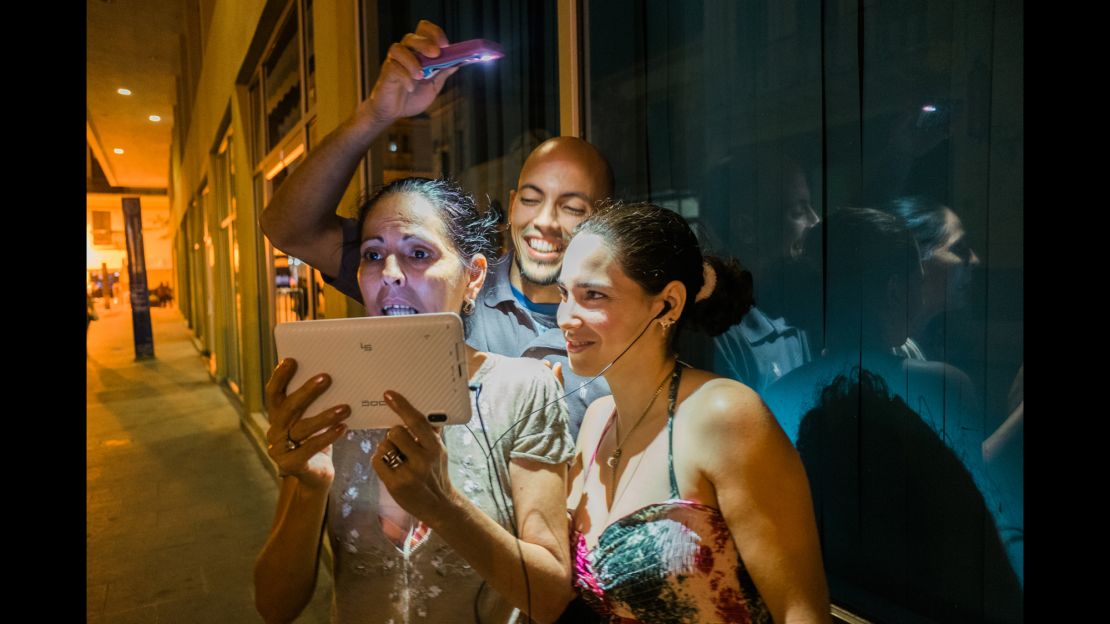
(154, 118)
(123, 91)
(118, 150)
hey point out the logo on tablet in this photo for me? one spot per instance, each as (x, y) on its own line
(365, 346)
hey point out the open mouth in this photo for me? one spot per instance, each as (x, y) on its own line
(544, 248)
(399, 310)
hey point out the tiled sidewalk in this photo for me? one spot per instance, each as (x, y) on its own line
(178, 501)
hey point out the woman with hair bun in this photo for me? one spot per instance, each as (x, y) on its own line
(688, 503)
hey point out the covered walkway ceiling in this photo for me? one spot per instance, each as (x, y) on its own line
(132, 44)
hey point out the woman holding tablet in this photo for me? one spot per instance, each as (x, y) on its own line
(424, 526)
(689, 503)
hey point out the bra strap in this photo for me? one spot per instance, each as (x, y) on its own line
(672, 397)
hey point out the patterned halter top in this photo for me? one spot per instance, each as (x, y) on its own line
(672, 561)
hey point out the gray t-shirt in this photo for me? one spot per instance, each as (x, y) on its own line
(377, 581)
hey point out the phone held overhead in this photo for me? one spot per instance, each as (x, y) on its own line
(462, 53)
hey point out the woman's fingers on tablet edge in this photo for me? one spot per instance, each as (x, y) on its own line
(417, 423)
(304, 428)
(313, 445)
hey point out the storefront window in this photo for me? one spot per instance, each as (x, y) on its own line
(282, 81)
(865, 163)
(283, 128)
(309, 55)
(228, 254)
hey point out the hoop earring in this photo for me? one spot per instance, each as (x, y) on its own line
(468, 307)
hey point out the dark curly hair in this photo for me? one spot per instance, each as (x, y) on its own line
(656, 246)
(471, 230)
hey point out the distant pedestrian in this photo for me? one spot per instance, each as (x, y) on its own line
(90, 312)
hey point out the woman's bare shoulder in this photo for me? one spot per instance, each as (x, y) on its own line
(722, 412)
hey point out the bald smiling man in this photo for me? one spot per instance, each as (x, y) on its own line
(557, 188)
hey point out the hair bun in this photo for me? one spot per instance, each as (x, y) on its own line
(729, 301)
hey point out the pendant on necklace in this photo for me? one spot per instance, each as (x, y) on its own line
(614, 458)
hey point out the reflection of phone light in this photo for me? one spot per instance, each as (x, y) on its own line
(929, 108)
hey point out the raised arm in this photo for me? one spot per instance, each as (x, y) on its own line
(531, 571)
(285, 571)
(763, 493)
(300, 219)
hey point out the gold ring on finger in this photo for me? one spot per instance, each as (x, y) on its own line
(393, 459)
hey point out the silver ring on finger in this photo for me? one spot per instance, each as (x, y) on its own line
(290, 443)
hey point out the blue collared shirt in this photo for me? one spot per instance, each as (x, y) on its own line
(500, 324)
(759, 350)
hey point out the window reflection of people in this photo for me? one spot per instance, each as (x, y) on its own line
(557, 187)
(688, 502)
(949, 265)
(418, 528)
(799, 215)
(901, 517)
(874, 280)
(765, 345)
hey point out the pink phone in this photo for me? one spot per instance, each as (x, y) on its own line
(462, 53)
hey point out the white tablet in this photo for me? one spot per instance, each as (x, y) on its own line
(422, 356)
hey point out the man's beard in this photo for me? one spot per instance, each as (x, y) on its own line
(539, 279)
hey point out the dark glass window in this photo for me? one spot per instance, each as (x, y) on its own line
(864, 161)
(257, 128)
(489, 116)
(282, 79)
(309, 55)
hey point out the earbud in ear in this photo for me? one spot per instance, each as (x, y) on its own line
(666, 308)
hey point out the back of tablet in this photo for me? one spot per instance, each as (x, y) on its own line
(422, 356)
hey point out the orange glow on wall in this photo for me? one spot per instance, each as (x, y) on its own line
(284, 162)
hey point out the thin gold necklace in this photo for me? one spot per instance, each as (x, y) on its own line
(615, 458)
